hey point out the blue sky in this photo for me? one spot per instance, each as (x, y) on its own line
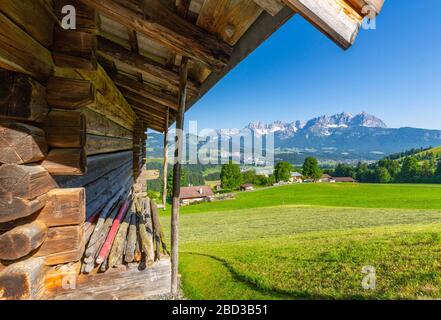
(393, 72)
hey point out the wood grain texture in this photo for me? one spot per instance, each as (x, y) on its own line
(137, 63)
(23, 12)
(66, 162)
(65, 93)
(13, 208)
(229, 20)
(74, 49)
(365, 7)
(21, 143)
(22, 240)
(21, 53)
(131, 284)
(97, 124)
(100, 144)
(335, 18)
(25, 181)
(64, 207)
(98, 166)
(66, 129)
(273, 7)
(109, 100)
(65, 257)
(146, 91)
(168, 29)
(23, 280)
(61, 239)
(22, 98)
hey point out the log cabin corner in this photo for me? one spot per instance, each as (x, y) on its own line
(75, 107)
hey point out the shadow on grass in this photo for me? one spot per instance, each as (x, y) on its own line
(279, 294)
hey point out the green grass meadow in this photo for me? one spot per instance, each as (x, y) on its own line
(312, 241)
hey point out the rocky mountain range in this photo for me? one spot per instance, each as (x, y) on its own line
(341, 137)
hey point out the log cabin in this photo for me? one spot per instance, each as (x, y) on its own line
(81, 82)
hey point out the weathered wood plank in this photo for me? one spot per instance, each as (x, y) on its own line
(98, 166)
(66, 162)
(22, 12)
(61, 239)
(65, 257)
(23, 280)
(22, 240)
(21, 143)
(117, 176)
(64, 207)
(74, 49)
(109, 100)
(168, 29)
(21, 97)
(146, 91)
(273, 7)
(132, 239)
(140, 64)
(66, 129)
(132, 284)
(335, 18)
(21, 53)
(100, 144)
(228, 19)
(13, 208)
(366, 7)
(25, 181)
(64, 93)
(99, 125)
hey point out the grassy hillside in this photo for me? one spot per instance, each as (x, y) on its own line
(336, 195)
(301, 250)
(436, 151)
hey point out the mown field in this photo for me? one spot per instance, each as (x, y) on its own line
(312, 241)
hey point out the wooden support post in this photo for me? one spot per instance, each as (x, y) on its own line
(165, 167)
(177, 177)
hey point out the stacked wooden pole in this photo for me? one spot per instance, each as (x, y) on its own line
(116, 231)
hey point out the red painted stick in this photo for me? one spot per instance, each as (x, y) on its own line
(112, 233)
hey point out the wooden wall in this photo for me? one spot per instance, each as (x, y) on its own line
(69, 142)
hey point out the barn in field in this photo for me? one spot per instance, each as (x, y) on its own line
(81, 82)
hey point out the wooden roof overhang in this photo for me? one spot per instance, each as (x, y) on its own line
(141, 42)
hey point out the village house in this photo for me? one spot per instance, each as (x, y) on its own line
(326, 178)
(191, 195)
(296, 177)
(247, 187)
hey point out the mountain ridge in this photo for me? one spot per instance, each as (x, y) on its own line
(342, 137)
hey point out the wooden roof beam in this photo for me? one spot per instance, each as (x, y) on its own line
(146, 91)
(273, 7)
(140, 112)
(152, 125)
(365, 7)
(168, 29)
(140, 64)
(133, 96)
(335, 18)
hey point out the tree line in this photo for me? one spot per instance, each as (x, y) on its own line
(413, 166)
